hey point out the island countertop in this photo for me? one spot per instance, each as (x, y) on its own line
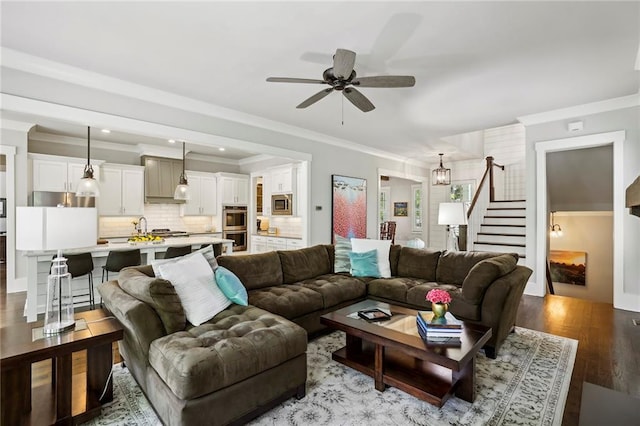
(103, 249)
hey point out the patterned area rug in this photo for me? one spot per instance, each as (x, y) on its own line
(526, 385)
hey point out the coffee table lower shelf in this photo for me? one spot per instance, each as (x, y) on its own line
(422, 379)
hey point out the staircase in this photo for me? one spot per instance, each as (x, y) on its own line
(502, 229)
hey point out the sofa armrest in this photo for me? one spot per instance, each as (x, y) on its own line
(501, 301)
(140, 322)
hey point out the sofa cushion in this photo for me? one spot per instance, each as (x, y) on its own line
(336, 289)
(231, 286)
(484, 273)
(453, 266)
(255, 270)
(364, 264)
(394, 256)
(302, 264)
(207, 252)
(195, 284)
(342, 263)
(382, 247)
(406, 289)
(238, 343)
(157, 292)
(418, 263)
(288, 300)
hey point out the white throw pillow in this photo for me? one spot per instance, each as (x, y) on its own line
(382, 247)
(207, 252)
(194, 282)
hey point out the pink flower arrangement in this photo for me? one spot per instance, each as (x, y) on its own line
(438, 296)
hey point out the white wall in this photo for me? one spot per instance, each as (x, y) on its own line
(591, 232)
(506, 145)
(626, 119)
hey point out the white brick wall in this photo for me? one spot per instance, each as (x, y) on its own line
(158, 216)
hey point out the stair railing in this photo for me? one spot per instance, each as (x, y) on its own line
(481, 199)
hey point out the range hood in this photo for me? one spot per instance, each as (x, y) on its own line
(633, 197)
(161, 175)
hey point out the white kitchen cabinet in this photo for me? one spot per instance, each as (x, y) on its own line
(121, 190)
(294, 244)
(58, 174)
(283, 180)
(234, 189)
(274, 243)
(258, 244)
(202, 188)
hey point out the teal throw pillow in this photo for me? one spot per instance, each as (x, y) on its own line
(343, 248)
(364, 264)
(231, 286)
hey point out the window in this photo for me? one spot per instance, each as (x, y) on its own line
(416, 208)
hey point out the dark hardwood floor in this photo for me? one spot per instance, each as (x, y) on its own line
(608, 342)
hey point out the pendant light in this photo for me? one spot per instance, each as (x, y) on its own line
(556, 230)
(441, 176)
(88, 186)
(182, 190)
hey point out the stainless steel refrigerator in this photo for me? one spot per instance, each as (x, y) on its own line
(67, 199)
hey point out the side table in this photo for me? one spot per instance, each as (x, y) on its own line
(53, 403)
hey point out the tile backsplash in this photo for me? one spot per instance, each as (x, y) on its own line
(287, 225)
(158, 216)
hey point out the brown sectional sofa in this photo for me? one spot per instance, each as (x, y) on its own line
(247, 359)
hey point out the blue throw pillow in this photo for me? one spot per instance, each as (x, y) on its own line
(364, 264)
(231, 286)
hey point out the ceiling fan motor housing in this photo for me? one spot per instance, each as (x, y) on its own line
(335, 82)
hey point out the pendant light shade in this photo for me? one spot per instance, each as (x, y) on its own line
(88, 186)
(182, 190)
(441, 176)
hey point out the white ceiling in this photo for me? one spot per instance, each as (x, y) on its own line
(477, 65)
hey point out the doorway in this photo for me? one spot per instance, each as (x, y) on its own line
(542, 218)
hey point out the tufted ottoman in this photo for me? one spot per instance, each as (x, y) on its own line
(240, 361)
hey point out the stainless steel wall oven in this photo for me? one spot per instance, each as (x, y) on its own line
(234, 226)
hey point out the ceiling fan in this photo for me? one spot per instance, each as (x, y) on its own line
(342, 77)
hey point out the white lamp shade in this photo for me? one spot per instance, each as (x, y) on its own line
(88, 187)
(182, 192)
(451, 214)
(55, 228)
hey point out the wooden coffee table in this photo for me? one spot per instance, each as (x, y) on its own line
(394, 354)
(52, 403)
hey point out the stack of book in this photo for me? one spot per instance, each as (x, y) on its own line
(447, 329)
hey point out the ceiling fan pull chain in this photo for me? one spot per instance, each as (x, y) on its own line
(342, 110)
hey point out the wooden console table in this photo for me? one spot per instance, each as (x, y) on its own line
(53, 403)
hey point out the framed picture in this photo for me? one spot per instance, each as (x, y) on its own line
(401, 209)
(568, 267)
(348, 207)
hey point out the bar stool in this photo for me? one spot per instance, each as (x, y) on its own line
(177, 251)
(119, 259)
(217, 248)
(79, 265)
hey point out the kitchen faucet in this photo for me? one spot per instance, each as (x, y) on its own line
(140, 225)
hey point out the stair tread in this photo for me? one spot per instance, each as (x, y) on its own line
(508, 201)
(507, 217)
(502, 234)
(500, 244)
(506, 208)
(499, 224)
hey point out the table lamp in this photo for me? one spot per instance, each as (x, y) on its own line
(56, 228)
(452, 215)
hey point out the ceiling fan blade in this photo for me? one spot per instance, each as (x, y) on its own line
(358, 99)
(343, 63)
(385, 81)
(315, 98)
(294, 80)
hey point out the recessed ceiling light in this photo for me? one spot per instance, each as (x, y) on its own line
(106, 131)
(172, 141)
(220, 149)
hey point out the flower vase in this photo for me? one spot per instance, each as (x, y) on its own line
(439, 309)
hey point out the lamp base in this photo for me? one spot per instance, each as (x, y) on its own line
(452, 239)
(58, 327)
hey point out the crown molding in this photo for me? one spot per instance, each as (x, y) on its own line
(18, 126)
(50, 69)
(581, 110)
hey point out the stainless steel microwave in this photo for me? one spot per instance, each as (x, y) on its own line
(282, 204)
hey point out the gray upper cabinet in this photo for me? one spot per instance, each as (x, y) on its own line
(161, 175)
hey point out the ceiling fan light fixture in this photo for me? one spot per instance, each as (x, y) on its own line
(441, 175)
(182, 192)
(88, 185)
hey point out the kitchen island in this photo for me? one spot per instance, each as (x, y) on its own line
(39, 263)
